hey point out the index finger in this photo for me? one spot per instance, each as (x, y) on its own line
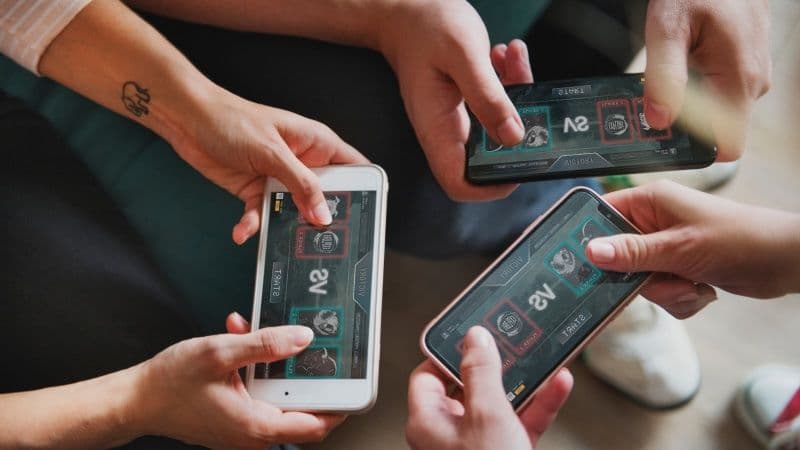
(292, 426)
(427, 385)
(486, 97)
(623, 200)
(542, 410)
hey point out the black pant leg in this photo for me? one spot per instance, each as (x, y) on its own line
(79, 296)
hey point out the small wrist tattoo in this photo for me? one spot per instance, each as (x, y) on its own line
(135, 98)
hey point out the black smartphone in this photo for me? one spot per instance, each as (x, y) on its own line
(583, 127)
(541, 299)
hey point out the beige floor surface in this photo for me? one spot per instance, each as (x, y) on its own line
(732, 336)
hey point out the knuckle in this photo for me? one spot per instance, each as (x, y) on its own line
(635, 250)
(211, 350)
(664, 24)
(454, 189)
(681, 313)
(755, 78)
(484, 417)
(475, 366)
(415, 431)
(257, 434)
(268, 342)
(321, 132)
(319, 434)
(308, 186)
(662, 185)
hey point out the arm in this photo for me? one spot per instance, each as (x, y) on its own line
(439, 50)
(191, 391)
(110, 55)
(349, 22)
(89, 414)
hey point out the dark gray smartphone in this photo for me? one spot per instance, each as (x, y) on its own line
(583, 127)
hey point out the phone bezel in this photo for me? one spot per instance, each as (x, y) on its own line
(328, 395)
(703, 154)
(430, 354)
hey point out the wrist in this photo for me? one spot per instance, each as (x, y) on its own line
(129, 412)
(776, 253)
(139, 412)
(188, 106)
(391, 26)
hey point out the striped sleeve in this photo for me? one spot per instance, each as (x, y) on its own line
(27, 27)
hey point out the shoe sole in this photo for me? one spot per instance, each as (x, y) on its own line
(636, 400)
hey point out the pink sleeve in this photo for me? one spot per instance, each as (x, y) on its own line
(27, 27)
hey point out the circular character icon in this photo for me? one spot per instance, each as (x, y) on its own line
(616, 124)
(563, 262)
(536, 136)
(509, 323)
(326, 241)
(326, 322)
(317, 362)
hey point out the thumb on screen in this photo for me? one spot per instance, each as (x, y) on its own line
(654, 252)
(481, 372)
(667, 70)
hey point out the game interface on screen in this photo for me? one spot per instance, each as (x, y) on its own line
(595, 125)
(542, 299)
(320, 278)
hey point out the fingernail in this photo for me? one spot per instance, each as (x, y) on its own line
(708, 298)
(478, 338)
(706, 294)
(510, 132)
(301, 335)
(657, 114)
(602, 252)
(525, 52)
(322, 213)
(688, 297)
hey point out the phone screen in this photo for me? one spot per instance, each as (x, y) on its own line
(320, 278)
(542, 299)
(590, 126)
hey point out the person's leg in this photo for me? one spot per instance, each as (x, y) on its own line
(80, 298)
(354, 91)
(584, 38)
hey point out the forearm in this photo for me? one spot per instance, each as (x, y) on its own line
(351, 22)
(110, 55)
(768, 249)
(790, 252)
(84, 415)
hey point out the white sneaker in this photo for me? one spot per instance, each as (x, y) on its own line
(761, 398)
(646, 353)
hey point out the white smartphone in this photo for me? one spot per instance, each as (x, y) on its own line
(329, 279)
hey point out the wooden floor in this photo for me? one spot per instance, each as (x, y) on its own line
(732, 336)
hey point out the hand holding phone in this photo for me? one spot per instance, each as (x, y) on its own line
(693, 240)
(439, 421)
(542, 300)
(328, 279)
(584, 127)
(192, 391)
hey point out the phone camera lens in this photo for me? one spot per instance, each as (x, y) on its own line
(286, 393)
